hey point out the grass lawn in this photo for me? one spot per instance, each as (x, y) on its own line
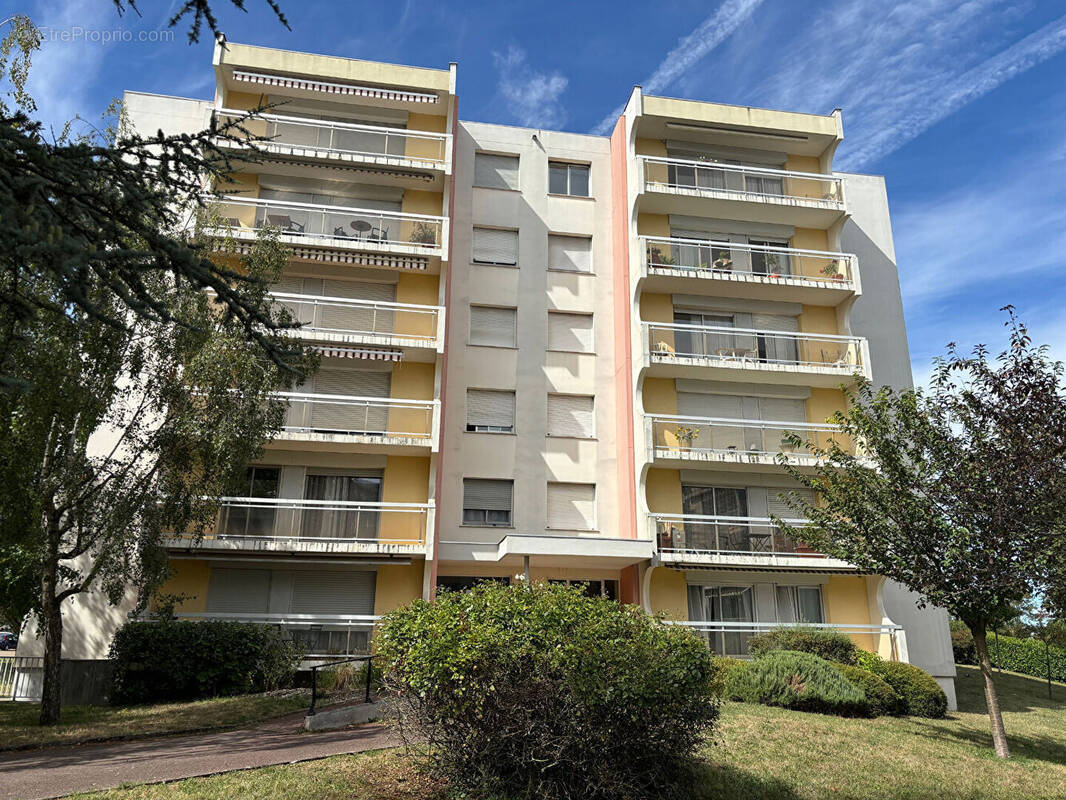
(763, 753)
(18, 721)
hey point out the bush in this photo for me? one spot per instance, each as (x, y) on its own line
(920, 695)
(799, 681)
(881, 697)
(1027, 656)
(541, 692)
(962, 643)
(167, 661)
(827, 644)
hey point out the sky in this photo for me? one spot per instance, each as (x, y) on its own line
(960, 104)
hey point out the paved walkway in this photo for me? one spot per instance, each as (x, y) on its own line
(58, 771)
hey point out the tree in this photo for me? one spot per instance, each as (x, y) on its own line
(959, 493)
(124, 434)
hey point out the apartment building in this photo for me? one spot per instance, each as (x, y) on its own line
(549, 355)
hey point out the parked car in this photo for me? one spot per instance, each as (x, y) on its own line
(8, 641)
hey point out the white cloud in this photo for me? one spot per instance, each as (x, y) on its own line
(533, 98)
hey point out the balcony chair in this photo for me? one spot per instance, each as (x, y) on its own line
(285, 223)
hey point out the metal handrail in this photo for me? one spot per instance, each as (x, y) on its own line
(689, 162)
(376, 212)
(316, 667)
(745, 423)
(413, 308)
(814, 337)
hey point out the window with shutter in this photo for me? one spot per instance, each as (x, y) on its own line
(333, 592)
(495, 172)
(490, 411)
(570, 332)
(570, 253)
(493, 327)
(495, 246)
(571, 415)
(779, 507)
(572, 506)
(487, 502)
(239, 591)
(781, 409)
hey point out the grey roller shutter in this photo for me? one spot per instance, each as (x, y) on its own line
(720, 406)
(571, 415)
(354, 318)
(486, 494)
(495, 246)
(570, 253)
(775, 505)
(570, 332)
(351, 418)
(239, 591)
(333, 592)
(492, 326)
(780, 409)
(490, 410)
(495, 172)
(572, 506)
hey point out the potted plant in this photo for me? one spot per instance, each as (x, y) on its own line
(832, 270)
(685, 436)
(423, 233)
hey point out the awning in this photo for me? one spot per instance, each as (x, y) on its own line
(334, 88)
(330, 256)
(368, 353)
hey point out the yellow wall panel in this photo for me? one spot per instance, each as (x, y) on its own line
(651, 147)
(397, 585)
(653, 224)
(662, 489)
(818, 319)
(668, 592)
(421, 290)
(189, 578)
(660, 396)
(406, 480)
(846, 603)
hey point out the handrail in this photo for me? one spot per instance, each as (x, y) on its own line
(726, 520)
(299, 502)
(412, 308)
(262, 201)
(745, 423)
(688, 162)
(760, 332)
(314, 677)
(337, 124)
(756, 248)
(342, 399)
(766, 626)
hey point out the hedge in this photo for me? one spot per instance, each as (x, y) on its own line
(882, 698)
(920, 694)
(1027, 656)
(168, 661)
(828, 644)
(799, 681)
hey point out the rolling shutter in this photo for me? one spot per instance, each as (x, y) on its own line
(486, 409)
(492, 326)
(348, 318)
(721, 406)
(495, 246)
(780, 409)
(351, 418)
(353, 382)
(570, 332)
(239, 591)
(570, 253)
(775, 505)
(333, 592)
(571, 415)
(572, 506)
(487, 495)
(495, 172)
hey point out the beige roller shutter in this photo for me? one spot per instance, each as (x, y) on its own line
(780, 409)
(570, 332)
(354, 318)
(495, 172)
(495, 246)
(239, 591)
(720, 406)
(489, 410)
(572, 506)
(571, 415)
(570, 253)
(333, 592)
(492, 326)
(351, 418)
(775, 505)
(487, 494)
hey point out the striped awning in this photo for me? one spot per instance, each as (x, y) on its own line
(332, 256)
(287, 82)
(368, 353)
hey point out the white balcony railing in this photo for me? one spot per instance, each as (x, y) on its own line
(698, 534)
(359, 227)
(731, 638)
(737, 182)
(344, 139)
(343, 415)
(340, 316)
(712, 438)
(748, 262)
(318, 635)
(760, 349)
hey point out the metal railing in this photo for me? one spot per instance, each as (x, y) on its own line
(674, 342)
(312, 221)
(731, 638)
(738, 261)
(343, 415)
(344, 316)
(344, 138)
(735, 181)
(703, 437)
(320, 635)
(20, 677)
(698, 534)
(369, 660)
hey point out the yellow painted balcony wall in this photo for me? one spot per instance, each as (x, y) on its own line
(190, 578)
(416, 146)
(669, 593)
(406, 480)
(847, 603)
(397, 585)
(411, 381)
(662, 490)
(421, 290)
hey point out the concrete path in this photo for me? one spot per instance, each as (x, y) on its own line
(58, 771)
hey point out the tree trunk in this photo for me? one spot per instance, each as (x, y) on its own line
(53, 649)
(999, 734)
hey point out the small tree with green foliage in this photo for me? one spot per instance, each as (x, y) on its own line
(959, 493)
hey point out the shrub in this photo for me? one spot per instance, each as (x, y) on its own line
(799, 681)
(962, 643)
(166, 661)
(1027, 656)
(920, 695)
(541, 692)
(882, 698)
(827, 644)
(869, 661)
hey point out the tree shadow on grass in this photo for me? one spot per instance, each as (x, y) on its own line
(1043, 748)
(1017, 693)
(724, 782)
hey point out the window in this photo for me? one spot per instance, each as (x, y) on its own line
(495, 172)
(723, 604)
(608, 589)
(343, 522)
(571, 179)
(764, 263)
(570, 253)
(487, 502)
(457, 583)
(489, 411)
(238, 520)
(570, 332)
(572, 506)
(495, 246)
(799, 604)
(709, 501)
(493, 327)
(571, 416)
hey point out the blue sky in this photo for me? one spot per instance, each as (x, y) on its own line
(960, 104)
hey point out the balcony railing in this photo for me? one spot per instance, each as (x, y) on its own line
(359, 227)
(271, 523)
(344, 139)
(736, 182)
(317, 635)
(731, 638)
(340, 316)
(747, 262)
(702, 438)
(676, 343)
(697, 534)
(342, 415)
(20, 677)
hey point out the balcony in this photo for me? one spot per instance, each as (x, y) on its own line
(319, 635)
(416, 159)
(731, 191)
(418, 330)
(358, 424)
(756, 272)
(749, 354)
(296, 526)
(339, 228)
(731, 638)
(731, 443)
